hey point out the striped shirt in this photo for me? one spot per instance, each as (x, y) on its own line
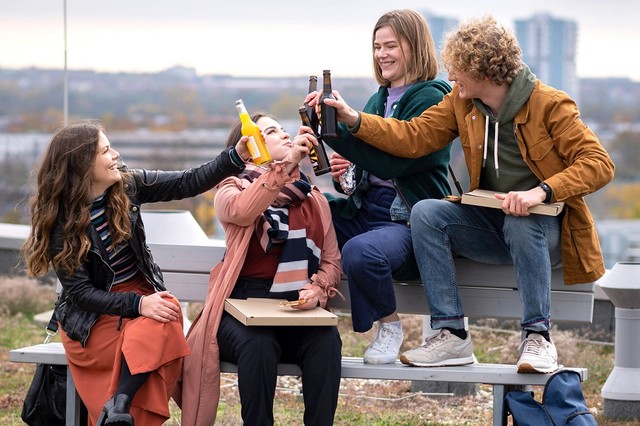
(121, 258)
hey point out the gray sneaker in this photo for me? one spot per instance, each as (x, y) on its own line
(537, 355)
(440, 350)
(385, 346)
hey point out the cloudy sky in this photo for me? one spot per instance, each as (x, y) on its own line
(275, 37)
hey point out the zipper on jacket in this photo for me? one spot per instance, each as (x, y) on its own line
(400, 194)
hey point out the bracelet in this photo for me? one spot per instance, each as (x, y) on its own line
(140, 305)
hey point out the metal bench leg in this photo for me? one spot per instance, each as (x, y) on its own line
(74, 403)
(499, 392)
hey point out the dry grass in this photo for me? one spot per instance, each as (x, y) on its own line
(21, 295)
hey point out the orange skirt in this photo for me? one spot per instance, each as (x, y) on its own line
(146, 344)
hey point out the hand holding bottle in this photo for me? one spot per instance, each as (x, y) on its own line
(318, 153)
(344, 112)
(242, 149)
(300, 147)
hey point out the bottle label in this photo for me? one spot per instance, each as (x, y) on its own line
(313, 157)
(252, 146)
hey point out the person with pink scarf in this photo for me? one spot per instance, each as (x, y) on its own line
(280, 244)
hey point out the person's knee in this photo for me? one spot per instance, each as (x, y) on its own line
(520, 229)
(358, 253)
(328, 342)
(425, 213)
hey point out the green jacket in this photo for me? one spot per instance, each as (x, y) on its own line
(414, 179)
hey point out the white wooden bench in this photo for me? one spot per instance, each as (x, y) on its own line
(488, 291)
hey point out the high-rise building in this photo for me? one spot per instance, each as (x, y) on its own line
(439, 27)
(549, 49)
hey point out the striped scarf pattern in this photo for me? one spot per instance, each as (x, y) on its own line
(293, 221)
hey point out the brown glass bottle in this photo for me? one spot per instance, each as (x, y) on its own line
(328, 115)
(317, 154)
(311, 112)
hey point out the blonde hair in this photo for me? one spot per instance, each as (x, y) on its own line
(482, 48)
(412, 27)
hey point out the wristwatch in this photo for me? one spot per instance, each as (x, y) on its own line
(547, 189)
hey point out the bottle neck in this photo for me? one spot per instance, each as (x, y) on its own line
(326, 83)
(313, 85)
(244, 115)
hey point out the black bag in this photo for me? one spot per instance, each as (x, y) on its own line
(562, 403)
(45, 403)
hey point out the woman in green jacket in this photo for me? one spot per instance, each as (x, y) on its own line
(372, 223)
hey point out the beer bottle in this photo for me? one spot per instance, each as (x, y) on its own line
(317, 154)
(311, 112)
(328, 115)
(256, 145)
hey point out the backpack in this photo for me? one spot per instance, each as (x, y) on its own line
(562, 404)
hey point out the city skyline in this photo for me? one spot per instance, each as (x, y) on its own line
(280, 38)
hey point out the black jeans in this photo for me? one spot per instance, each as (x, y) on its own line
(257, 350)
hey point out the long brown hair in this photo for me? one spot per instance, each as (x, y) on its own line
(63, 193)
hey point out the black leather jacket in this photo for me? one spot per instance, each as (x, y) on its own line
(85, 294)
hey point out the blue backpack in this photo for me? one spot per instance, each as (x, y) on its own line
(562, 404)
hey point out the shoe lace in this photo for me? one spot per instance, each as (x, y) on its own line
(384, 338)
(532, 347)
(432, 340)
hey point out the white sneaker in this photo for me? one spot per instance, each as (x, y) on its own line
(440, 350)
(537, 355)
(385, 346)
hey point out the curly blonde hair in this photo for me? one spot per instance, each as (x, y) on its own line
(482, 48)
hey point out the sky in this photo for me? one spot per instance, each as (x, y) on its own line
(276, 37)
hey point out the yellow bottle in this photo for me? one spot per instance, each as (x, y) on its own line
(256, 145)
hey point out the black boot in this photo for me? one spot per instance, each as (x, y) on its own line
(116, 412)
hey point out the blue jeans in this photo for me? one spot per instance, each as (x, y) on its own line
(442, 230)
(373, 247)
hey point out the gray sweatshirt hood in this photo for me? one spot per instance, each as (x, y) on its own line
(517, 95)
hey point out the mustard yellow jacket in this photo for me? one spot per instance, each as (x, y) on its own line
(554, 142)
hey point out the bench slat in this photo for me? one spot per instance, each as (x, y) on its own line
(485, 302)
(479, 302)
(352, 367)
(49, 353)
(192, 258)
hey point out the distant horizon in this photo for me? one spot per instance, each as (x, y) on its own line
(268, 38)
(368, 77)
